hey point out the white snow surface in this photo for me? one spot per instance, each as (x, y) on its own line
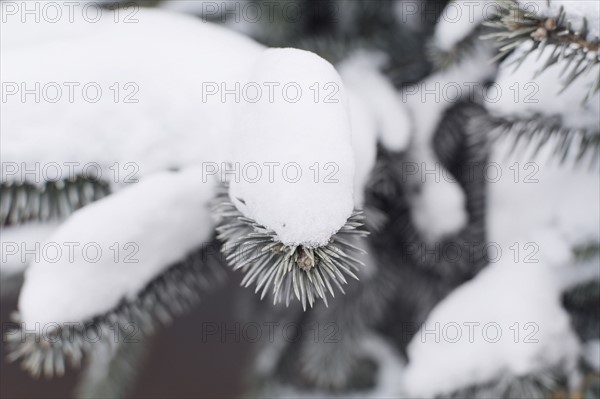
(19, 243)
(526, 289)
(174, 124)
(505, 293)
(360, 71)
(206, 8)
(364, 143)
(154, 224)
(377, 114)
(566, 198)
(172, 57)
(520, 94)
(176, 120)
(302, 135)
(439, 210)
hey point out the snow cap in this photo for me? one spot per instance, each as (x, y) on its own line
(293, 145)
(470, 339)
(110, 250)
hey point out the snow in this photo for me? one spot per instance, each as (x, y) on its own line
(377, 114)
(206, 8)
(171, 115)
(439, 209)
(364, 143)
(519, 94)
(576, 10)
(194, 127)
(16, 35)
(458, 20)
(566, 198)
(175, 114)
(591, 353)
(302, 134)
(429, 99)
(565, 215)
(390, 365)
(566, 195)
(523, 95)
(154, 224)
(176, 124)
(17, 241)
(360, 71)
(505, 293)
(528, 288)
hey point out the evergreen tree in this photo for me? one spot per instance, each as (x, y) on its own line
(474, 160)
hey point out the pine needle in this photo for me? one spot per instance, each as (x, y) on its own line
(542, 384)
(288, 272)
(515, 26)
(538, 131)
(169, 295)
(53, 200)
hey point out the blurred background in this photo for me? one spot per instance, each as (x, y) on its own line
(413, 288)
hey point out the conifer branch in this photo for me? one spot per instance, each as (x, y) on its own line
(541, 130)
(53, 200)
(516, 26)
(169, 295)
(465, 48)
(288, 271)
(544, 384)
(587, 252)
